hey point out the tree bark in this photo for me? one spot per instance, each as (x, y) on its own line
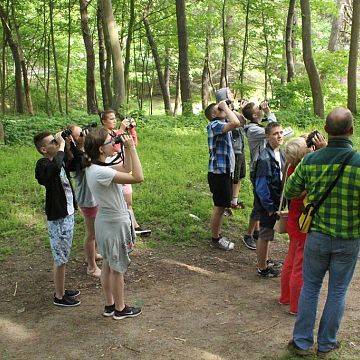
(155, 54)
(183, 58)
(91, 101)
(336, 27)
(288, 41)
(51, 5)
(116, 54)
(244, 52)
(314, 78)
(353, 57)
(128, 44)
(205, 78)
(226, 24)
(19, 98)
(266, 63)
(3, 72)
(68, 60)
(167, 74)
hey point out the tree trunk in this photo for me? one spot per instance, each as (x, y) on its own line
(226, 24)
(266, 63)
(336, 27)
(314, 78)
(183, 58)
(51, 4)
(19, 98)
(3, 72)
(128, 43)
(244, 52)
(155, 54)
(68, 60)
(177, 94)
(92, 107)
(353, 57)
(116, 54)
(288, 41)
(167, 75)
(205, 78)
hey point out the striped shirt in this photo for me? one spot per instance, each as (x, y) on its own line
(221, 153)
(339, 214)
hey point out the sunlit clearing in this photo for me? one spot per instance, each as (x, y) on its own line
(189, 267)
(15, 332)
(205, 355)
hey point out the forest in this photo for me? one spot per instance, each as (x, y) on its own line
(148, 57)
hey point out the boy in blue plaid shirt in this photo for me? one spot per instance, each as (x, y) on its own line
(221, 165)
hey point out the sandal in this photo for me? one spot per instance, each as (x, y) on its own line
(95, 273)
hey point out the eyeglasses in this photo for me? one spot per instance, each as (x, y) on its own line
(108, 142)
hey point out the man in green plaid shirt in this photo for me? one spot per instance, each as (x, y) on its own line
(333, 242)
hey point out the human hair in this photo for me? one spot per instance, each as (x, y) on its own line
(209, 111)
(339, 122)
(94, 139)
(103, 114)
(270, 126)
(295, 150)
(248, 111)
(39, 140)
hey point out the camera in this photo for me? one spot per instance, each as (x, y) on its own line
(310, 138)
(118, 139)
(88, 127)
(130, 123)
(66, 133)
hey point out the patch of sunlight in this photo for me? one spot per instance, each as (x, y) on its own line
(15, 332)
(26, 217)
(205, 355)
(189, 267)
(184, 131)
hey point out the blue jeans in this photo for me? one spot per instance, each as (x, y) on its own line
(338, 256)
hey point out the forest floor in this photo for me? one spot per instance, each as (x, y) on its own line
(198, 303)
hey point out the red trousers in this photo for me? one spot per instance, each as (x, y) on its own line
(291, 274)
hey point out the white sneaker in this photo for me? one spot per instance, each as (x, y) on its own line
(224, 244)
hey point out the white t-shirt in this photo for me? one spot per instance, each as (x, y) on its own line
(278, 159)
(107, 194)
(68, 192)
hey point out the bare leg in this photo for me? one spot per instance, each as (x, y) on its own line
(59, 280)
(128, 200)
(262, 248)
(106, 284)
(89, 247)
(117, 282)
(216, 221)
(253, 225)
(236, 190)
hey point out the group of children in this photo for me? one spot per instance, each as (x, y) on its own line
(103, 193)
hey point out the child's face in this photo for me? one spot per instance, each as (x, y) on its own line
(110, 121)
(108, 147)
(276, 137)
(218, 113)
(50, 147)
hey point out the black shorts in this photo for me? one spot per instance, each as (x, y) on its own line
(240, 168)
(221, 188)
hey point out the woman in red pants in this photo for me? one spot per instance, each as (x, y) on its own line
(291, 275)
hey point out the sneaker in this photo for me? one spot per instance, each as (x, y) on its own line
(142, 232)
(293, 348)
(276, 264)
(109, 310)
(71, 293)
(127, 311)
(66, 301)
(223, 244)
(269, 272)
(95, 273)
(328, 353)
(255, 234)
(249, 242)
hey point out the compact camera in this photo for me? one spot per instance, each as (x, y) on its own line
(310, 138)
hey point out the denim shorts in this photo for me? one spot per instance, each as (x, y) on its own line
(61, 235)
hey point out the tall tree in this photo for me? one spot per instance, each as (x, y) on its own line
(336, 26)
(111, 32)
(314, 78)
(128, 43)
(353, 57)
(183, 57)
(68, 59)
(245, 47)
(288, 41)
(19, 98)
(92, 107)
(227, 22)
(155, 54)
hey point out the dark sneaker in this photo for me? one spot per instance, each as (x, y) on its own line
(269, 272)
(142, 232)
(127, 311)
(256, 234)
(66, 301)
(249, 242)
(276, 264)
(326, 354)
(109, 310)
(223, 244)
(72, 293)
(293, 348)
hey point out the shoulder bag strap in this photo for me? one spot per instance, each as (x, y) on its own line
(340, 172)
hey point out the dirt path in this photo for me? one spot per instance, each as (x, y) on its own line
(198, 303)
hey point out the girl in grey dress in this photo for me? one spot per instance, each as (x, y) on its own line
(113, 228)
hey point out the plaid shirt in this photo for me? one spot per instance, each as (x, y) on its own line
(339, 214)
(222, 158)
